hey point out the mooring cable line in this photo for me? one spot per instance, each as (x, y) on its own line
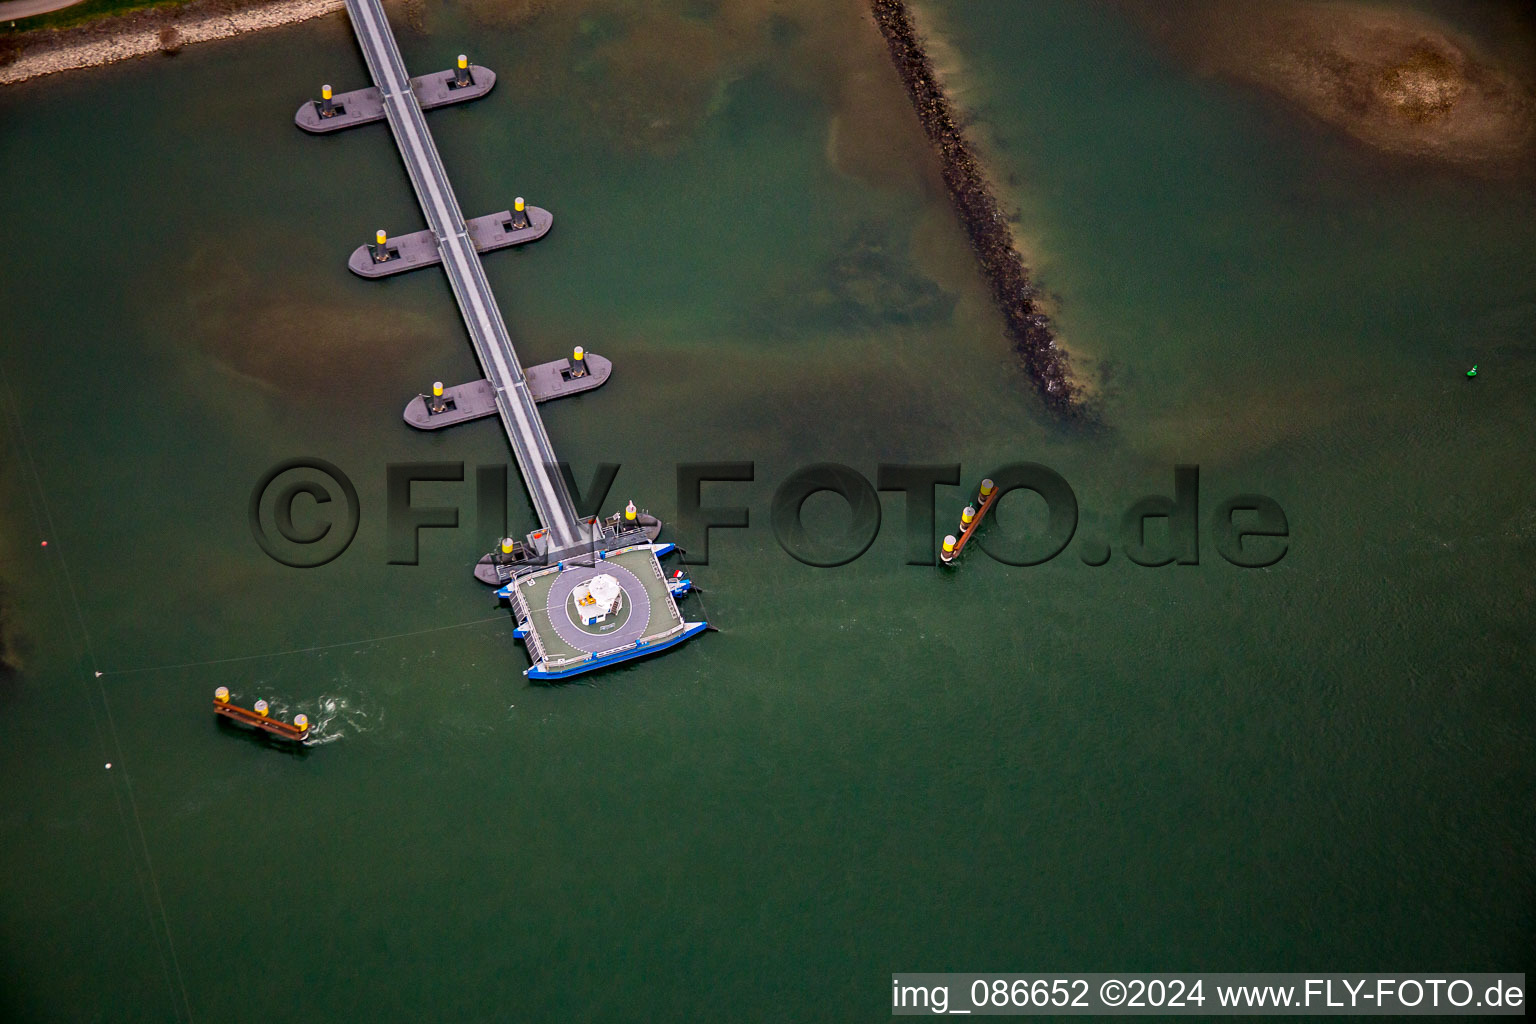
(366, 641)
(42, 515)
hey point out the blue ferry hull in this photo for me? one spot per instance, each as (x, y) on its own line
(692, 629)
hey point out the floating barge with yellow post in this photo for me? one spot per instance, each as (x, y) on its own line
(386, 255)
(460, 403)
(332, 113)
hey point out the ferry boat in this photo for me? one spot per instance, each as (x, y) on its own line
(569, 633)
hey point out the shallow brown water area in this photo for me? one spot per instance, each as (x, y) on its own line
(656, 72)
(1398, 80)
(985, 222)
(288, 335)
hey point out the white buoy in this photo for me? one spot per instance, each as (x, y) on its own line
(109, 766)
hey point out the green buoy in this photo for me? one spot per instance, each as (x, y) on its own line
(1472, 372)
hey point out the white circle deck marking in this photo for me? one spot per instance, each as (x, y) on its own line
(557, 605)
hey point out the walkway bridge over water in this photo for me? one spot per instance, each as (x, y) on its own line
(548, 581)
(487, 331)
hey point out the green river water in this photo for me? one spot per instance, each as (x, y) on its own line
(1327, 764)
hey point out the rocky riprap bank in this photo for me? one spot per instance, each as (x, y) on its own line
(979, 210)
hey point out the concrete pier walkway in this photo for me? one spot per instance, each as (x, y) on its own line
(488, 332)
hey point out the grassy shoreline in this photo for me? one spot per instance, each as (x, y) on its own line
(84, 13)
(108, 31)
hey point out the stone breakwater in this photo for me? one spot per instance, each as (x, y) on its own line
(985, 222)
(156, 30)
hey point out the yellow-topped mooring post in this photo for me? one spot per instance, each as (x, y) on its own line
(461, 73)
(579, 362)
(948, 554)
(987, 487)
(221, 695)
(261, 708)
(506, 545)
(630, 512)
(438, 403)
(327, 108)
(380, 246)
(967, 515)
(301, 723)
(519, 214)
